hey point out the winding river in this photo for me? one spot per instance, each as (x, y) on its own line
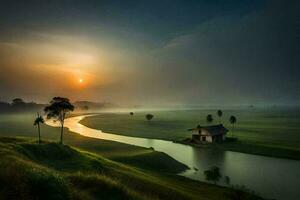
(270, 177)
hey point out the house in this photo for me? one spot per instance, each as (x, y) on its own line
(210, 134)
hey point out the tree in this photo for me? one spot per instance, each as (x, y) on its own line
(220, 113)
(39, 120)
(209, 118)
(149, 117)
(58, 108)
(17, 101)
(213, 174)
(232, 121)
(131, 113)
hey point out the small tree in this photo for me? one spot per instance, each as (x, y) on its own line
(213, 174)
(220, 113)
(17, 101)
(58, 109)
(38, 120)
(149, 117)
(209, 119)
(131, 113)
(232, 121)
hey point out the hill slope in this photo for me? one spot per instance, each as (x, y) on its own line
(51, 171)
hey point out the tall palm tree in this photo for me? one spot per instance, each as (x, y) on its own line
(220, 113)
(209, 118)
(232, 121)
(58, 108)
(39, 120)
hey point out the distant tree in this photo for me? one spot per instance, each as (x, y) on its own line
(58, 109)
(149, 117)
(209, 118)
(232, 121)
(220, 113)
(17, 101)
(38, 120)
(213, 174)
(131, 113)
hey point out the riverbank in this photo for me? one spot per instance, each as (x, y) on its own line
(53, 171)
(255, 172)
(249, 148)
(49, 165)
(272, 133)
(243, 169)
(21, 125)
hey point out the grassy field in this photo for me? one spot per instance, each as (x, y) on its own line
(21, 125)
(273, 131)
(89, 168)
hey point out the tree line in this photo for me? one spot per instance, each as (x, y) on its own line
(18, 105)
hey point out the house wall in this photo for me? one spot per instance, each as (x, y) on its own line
(208, 138)
(204, 132)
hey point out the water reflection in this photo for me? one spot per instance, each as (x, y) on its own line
(270, 177)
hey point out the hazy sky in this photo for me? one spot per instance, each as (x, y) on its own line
(151, 52)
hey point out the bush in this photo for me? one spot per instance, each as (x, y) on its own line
(149, 116)
(213, 174)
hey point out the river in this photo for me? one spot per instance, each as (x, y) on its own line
(269, 177)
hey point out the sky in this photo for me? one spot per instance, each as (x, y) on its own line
(158, 52)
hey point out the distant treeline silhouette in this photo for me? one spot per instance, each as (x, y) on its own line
(19, 105)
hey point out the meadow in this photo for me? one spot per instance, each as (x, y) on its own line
(86, 168)
(266, 131)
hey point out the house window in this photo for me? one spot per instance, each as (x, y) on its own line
(204, 139)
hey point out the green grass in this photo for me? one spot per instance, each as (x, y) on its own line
(52, 171)
(273, 131)
(139, 157)
(21, 125)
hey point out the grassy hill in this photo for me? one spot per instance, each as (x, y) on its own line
(51, 171)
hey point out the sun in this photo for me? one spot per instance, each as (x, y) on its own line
(80, 80)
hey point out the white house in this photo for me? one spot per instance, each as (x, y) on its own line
(210, 134)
